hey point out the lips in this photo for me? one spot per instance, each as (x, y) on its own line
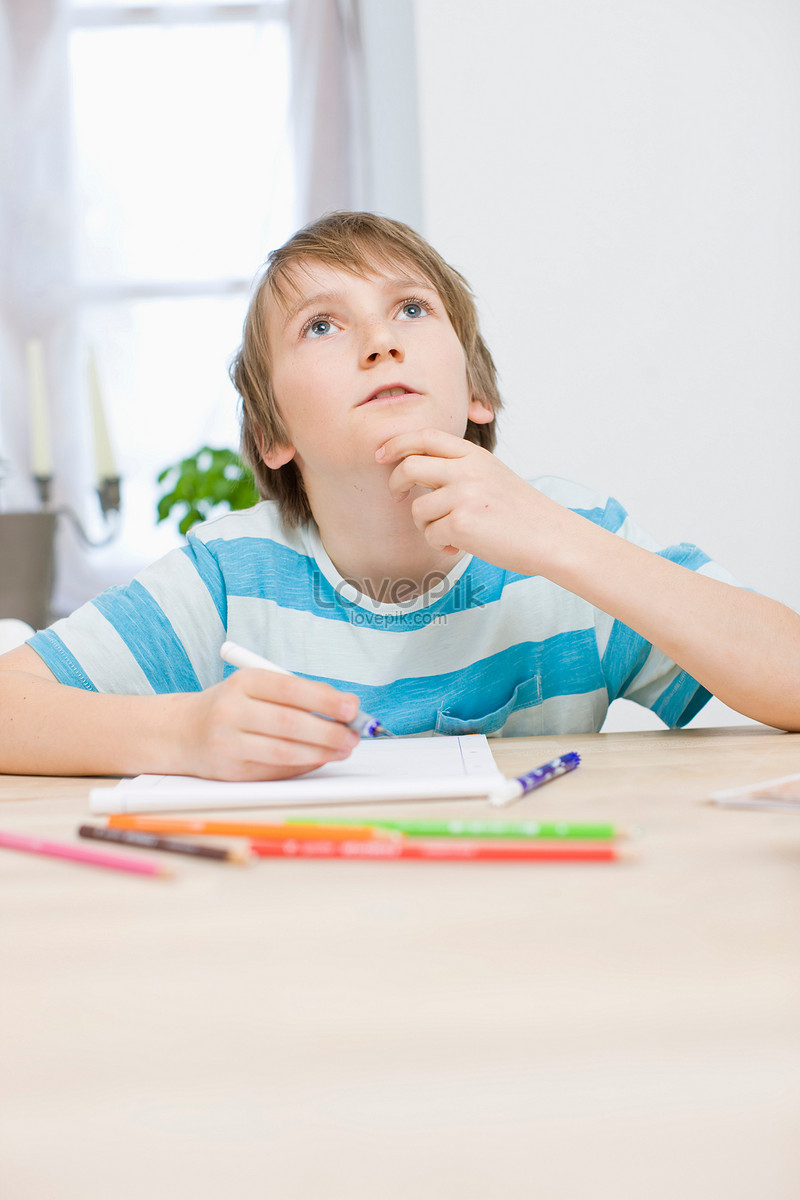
(392, 392)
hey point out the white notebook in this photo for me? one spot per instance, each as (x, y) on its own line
(432, 768)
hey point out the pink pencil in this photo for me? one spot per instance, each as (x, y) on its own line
(81, 854)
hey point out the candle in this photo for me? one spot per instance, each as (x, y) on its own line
(104, 457)
(41, 452)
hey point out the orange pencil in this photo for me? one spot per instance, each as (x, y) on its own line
(265, 830)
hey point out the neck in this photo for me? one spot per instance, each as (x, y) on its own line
(372, 540)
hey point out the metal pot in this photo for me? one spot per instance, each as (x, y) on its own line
(27, 566)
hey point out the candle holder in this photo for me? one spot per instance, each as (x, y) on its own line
(44, 485)
(27, 548)
(108, 493)
(27, 542)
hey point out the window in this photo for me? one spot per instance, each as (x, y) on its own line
(159, 152)
(182, 180)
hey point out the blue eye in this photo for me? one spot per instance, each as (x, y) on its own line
(411, 310)
(317, 328)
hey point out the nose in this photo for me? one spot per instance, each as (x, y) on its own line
(379, 342)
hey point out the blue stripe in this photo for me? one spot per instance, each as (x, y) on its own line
(698, 701)
(482, 583)
(681, 701)
(290, 580)
(149, 636)
(624, 657)
(685, 555)
(208, 569)
(259, 568)
(515, 678)
(570, 664)
(55, 655)
(611, 516)
(627, 651)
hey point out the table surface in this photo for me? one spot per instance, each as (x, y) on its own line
(346, 1029)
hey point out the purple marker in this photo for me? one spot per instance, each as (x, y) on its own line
(512, 789)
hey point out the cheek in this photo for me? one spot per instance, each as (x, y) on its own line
(453, 354)
(294, 388)
(454, 365)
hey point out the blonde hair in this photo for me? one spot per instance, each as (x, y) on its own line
(356, 242)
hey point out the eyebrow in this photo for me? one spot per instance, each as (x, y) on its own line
(326, 299)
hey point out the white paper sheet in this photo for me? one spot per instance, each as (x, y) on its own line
(434, 768)
(773, 795)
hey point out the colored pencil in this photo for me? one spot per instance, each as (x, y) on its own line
(551, 830)
(81, 854)
(437, 849)
(247, 829)
(152, 841)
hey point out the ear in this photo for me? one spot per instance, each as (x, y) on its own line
(278, 456)
(480, 412)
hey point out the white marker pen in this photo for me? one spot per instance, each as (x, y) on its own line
(363, 724)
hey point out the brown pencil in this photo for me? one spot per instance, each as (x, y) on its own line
(153, 841)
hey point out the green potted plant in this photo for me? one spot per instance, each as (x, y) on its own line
(203, 483)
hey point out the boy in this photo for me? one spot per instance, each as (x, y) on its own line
(398, 563)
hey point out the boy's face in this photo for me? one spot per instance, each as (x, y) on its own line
(358, 359)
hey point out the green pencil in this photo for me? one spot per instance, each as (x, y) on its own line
(482, 829)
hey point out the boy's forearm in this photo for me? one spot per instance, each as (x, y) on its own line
(743, 647)
(47, 728)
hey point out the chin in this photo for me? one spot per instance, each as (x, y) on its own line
(410, 422)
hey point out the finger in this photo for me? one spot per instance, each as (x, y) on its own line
(286, 724)
(252, 757)
(439, 534)
(418, 471)
(423, 441)
(250, 772)
(272, 753)
(430, 507)
(295, 692)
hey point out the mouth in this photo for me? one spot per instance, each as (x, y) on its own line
(396, 392)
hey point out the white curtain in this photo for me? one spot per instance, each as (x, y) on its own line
(36, 224)
(327, 105)
(39, 295)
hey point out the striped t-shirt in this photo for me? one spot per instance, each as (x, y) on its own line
(484, 650)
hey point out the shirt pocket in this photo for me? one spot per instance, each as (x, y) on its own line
(526, 696)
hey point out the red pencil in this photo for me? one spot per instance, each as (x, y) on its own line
(439, 850)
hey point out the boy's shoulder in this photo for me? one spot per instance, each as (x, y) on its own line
(571, 494)
(263, 521)
(599, 507)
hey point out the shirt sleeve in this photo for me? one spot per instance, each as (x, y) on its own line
(634, 669)
(160, 633)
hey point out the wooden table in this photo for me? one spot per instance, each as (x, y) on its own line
(320, 1030)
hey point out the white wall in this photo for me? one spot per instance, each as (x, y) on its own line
(620, 182)
(392, 124)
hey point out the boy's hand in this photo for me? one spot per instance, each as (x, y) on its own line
(474, 502)
(258, 724)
